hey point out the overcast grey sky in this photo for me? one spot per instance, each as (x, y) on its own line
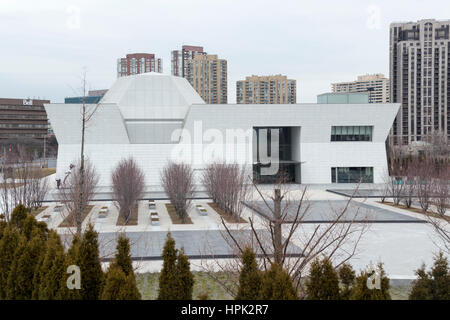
(46, 44)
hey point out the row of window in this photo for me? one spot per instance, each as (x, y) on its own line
(23, 125)
(352, 175)
(351, 133)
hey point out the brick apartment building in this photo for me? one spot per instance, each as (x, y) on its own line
(137, 63)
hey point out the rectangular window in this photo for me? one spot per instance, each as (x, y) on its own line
(352, 175)
(351, 133)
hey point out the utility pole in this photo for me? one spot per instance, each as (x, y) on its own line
(45, 149)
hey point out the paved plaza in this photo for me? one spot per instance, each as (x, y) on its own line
(326, 211)
(401, 239)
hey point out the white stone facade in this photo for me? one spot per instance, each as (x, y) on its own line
(145, 115)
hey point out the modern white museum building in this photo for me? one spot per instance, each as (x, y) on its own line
(158, 118)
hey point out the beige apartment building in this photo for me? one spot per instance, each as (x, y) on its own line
(276, 89)
(208, 75)
(377, 85)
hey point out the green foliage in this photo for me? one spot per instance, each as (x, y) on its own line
(72, 258)
(118, 286)
(3, 226)
(176, 281)
(18, 216)
(361, 290)
(25, 265)
(184, 277)
(123, 256)
(277, 285)
(120, 280)
(167, 279)
(323, 283)
(90, 266)
(52, 270)
(432, 285)
(250, 277)
(347, 278)
(8, 246)
(30, 225)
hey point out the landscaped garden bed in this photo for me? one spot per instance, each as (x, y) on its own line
(228, 218)
(175, 217)
(132, 220)
(415, 210)
(35, 212)
(70, 220)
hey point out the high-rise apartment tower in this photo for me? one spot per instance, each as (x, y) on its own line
(375, 84)
(419, 74)
(137, 63)
(180, 59)
(277, 89)
(208, 75)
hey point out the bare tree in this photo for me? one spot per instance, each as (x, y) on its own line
(410, 183)
(276, 237)
(437, 145)
(441, 193)
(87, 112)
(425, 174)
(229, 195)
(5, 198)
(128, 183)
(178, 183)
(23, 182)
(71, 196)
(395, 187)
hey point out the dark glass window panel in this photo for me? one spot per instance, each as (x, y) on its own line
(352, 175)
(351, 133)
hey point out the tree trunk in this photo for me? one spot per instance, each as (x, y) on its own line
(278, 250)
(79, 214)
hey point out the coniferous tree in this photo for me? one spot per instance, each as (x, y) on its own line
(323, 283)
(11, 288)
(18, 216)
(26, 264)
(421, 286)
(90, 266)
(118, 286)
(362, 292)
(52, 270)
(347, 278)
(123, 256)
(120, 281)
(8, 246)
(184, 277)
(115, 281)
(3, 225)
(72, 258)
(277, 285)
(167, 278)
(30, 225)
(432, 285)
(250, 277)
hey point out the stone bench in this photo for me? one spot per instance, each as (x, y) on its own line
(154, 218)
(201, 210)
(103, 212)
